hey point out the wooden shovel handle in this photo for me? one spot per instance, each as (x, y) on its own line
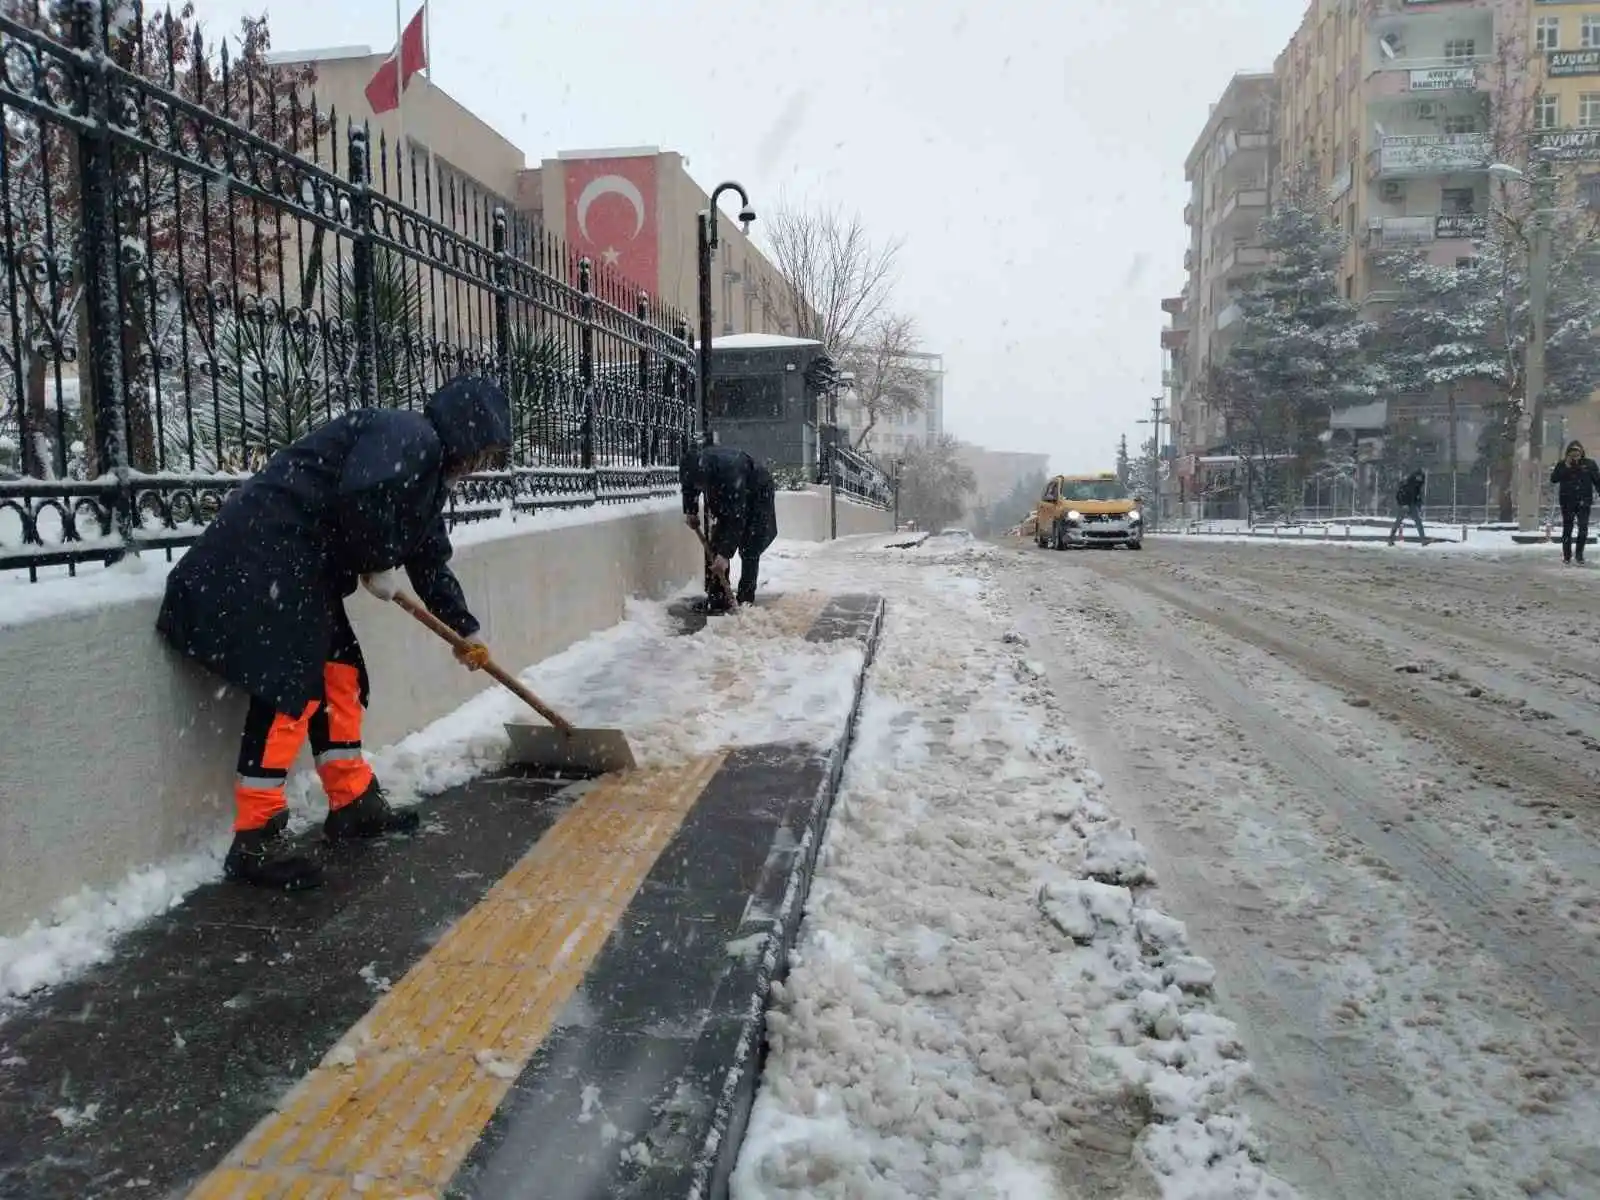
(706, 542)
(495, 671)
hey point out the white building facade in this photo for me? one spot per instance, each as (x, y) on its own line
(893, 435)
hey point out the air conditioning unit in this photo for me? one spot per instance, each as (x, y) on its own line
(1390, 191)
(1374, 224)
(1428, 110)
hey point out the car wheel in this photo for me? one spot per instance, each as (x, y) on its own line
(1136, 544)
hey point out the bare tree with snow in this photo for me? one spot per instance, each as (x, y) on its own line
(837, 280)
(889, 382)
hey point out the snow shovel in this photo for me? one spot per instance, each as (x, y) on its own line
(556, 746)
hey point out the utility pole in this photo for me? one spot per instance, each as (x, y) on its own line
(1155, 422)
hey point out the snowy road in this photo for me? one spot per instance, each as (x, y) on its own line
(1369, 780)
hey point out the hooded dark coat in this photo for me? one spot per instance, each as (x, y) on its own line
(740, 496)
(1409, 494)
(1576, 482)
(259, 598)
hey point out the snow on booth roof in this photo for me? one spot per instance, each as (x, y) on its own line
(759, 341)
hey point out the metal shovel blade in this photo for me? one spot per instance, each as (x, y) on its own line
(581, 752)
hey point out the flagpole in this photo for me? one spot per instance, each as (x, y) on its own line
(399, 79)
(427, 58)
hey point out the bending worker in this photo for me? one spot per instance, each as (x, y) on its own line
(741, 502)
(259, 600)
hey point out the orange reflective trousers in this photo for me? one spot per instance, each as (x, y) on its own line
(272, 741)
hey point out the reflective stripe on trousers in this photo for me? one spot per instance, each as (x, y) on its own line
(271, 741)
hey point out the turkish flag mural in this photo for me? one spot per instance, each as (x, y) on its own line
(612, 217)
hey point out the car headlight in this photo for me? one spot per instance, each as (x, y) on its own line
(1135, 517)
(1074, 515)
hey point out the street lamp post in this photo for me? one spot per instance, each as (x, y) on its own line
(706, 239)
(1531, 457)
(1155, 422)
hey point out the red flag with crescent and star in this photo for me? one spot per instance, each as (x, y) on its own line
(612, 216)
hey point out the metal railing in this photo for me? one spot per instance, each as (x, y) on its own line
(858, 477)
(198, 266)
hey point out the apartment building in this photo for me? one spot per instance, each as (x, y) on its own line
(997, 473)
(1442, 95)
(1563, 62)
(1229, 175)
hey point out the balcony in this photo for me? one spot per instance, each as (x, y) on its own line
(1241, 259)
(1174, 339)
(1188, 260)
(1247, 202)
(1244, 153)
(1398, 233)
(1172, 305)
(1188, 213)
(1427, 78)
(1411, 155)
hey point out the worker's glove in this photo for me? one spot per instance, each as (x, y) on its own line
(474, 656)
(385, 585)
(692, 520)
(719, 566)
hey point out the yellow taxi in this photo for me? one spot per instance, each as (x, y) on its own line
(1088, 510)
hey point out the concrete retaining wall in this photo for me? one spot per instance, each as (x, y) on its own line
(120, 754)
(803, 516)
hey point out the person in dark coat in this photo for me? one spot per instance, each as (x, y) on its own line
(259, 600)
(1577, 479)
(1408, 498)
(741, 501)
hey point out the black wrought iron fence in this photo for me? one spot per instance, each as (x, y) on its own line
(859, 477)
(197, 266)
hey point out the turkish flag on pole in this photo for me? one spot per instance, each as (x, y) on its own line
(409, 57)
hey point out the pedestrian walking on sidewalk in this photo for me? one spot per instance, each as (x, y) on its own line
(259, 600)
(741, 501)
(1408, 500)
(1577, 479)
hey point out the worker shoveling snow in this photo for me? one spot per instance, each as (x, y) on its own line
(986, 999)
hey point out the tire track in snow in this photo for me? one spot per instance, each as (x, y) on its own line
(1465, 885)
(1309, 1072)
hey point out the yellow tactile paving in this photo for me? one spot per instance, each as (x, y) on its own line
(393, 1109)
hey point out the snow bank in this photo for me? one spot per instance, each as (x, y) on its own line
(745, 680)
(985, 1000)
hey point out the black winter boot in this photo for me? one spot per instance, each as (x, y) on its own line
(369, 817)
(262, 858)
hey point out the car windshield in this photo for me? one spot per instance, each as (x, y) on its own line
(1098, 489)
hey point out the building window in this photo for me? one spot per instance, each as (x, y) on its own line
(1589, 191)
(1589, 32)
(1589, 110)
(1547, 33)
(1349, 286)
(1461, 124)
(1547, 112)
(1456, 202)
(1460, 50)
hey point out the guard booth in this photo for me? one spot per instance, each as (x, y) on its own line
(765, 395)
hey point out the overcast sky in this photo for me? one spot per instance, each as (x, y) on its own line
(1029, 152)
